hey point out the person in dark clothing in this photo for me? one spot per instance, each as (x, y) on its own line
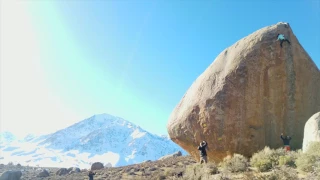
(203, 152)
(91, 174)
(286, 141)
(282, 38)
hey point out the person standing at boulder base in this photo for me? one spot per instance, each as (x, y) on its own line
(203, 152)
(91, 174)
(282, 38)
(286, 142)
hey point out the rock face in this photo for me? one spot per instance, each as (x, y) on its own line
(311, 131)
(251, 93)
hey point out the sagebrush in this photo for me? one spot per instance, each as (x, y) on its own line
(267, 158)
(236, 163)
(310, 160)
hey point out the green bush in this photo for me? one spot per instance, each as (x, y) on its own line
(267, 158)
(310, 160)
(314, 148)
(289, 159)
(308, 163)
(236, 163)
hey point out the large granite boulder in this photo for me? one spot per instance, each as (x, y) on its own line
(252, 92)
(311, 131)
(96, 166)
(11, 175)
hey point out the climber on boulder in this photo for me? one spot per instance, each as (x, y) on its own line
(282, 38)
(203, 153)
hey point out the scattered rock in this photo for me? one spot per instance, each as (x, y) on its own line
(147, 161)
(44, 173)
(72, 170)
(62, 171)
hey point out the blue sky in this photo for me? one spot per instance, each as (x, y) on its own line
(133, 59)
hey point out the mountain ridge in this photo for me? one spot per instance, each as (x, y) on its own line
(102, 137)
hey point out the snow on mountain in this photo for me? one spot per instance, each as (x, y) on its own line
(104, 138)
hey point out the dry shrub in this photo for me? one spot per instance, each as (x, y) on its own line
(176, 172)
(222, 176)
(267, 158)
(250, 175)
(313, 175)
(236, 163)
(200, 171)
(152, 169)
(283, 173)
(158, 175)
(310, 160)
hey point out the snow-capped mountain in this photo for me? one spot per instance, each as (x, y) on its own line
(103, 138)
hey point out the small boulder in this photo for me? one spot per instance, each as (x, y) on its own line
(73, 170)
(44, 173)
(108, 165)
(96, 166)
(176, 154)
(147, 161)
(311, 131)
(62, 171)
(11, 175)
